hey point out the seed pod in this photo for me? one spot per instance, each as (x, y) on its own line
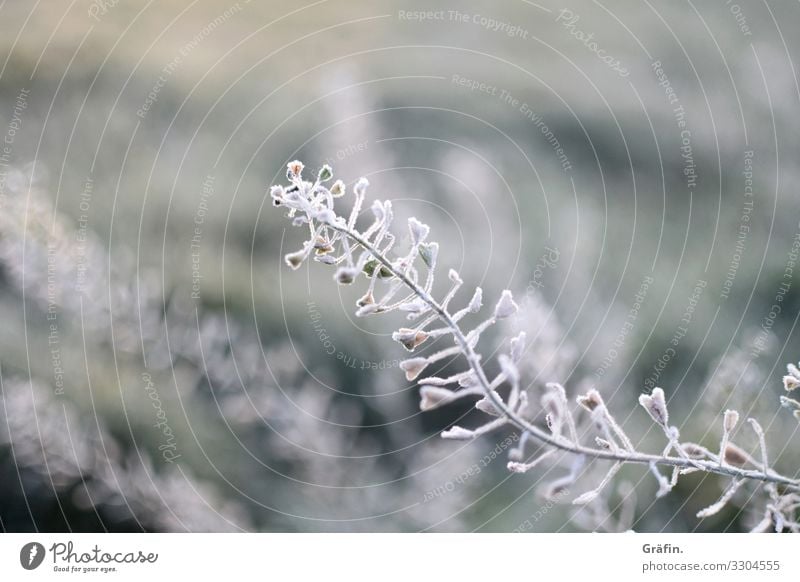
(338, 189)
(410, 338)
(428, 252)
(367, 299)
(325, 173)
(413, 367)
(419, 232)
(736, 456)
(295, 259)
(433, 397)
(476, 301)
(345, 275)
(656, 406)
(294, 170)
(790, 383)
(487, 406)
(591, 400)
(729, 420)
(506, 306)
(361, 186)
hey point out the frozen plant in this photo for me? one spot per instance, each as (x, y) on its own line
(791, 382)
(406, 285)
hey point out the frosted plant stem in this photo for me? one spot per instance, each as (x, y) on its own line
(624, 456)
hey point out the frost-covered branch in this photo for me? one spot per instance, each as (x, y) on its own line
(338, 241)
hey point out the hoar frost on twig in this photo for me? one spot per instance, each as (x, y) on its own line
(407, 280)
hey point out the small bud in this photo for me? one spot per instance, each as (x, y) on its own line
(378, 210)
(372, 264)
(413, 367)
(433, 397)
(295, 259)
(516, 467)
(325, 173)
(428, 252)
(410, 338)
(736, 456)
(345, 275)
(419, 232)
(325, 259)
(591, 400)
(361, 187)
(517, 346)
(294, 170)
(338, 189)
(458, 433)
(453, 275)
(693, 450)
(506, 306)
(322, 245)
(790, 383)
(476, 302)
(367, 299)
(487, 406)
(277, 194)
(730, 419)
(656, 406)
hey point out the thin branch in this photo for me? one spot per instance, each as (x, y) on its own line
(624, 456)
(321, 218)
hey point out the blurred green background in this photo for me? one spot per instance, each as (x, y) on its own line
(161, 367)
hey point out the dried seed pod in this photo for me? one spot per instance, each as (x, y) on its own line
(505, 306)
(361, 187)
(345, 275)
(277, 194)
(419, 232)
(325, 173)
(294, 170)
(295, 259)
(591, 400)
(413, 367)
(736, 456)
(433, 397)
(790, 382)
(367, 299)
(656, 406)
(476, 302)
(694, 450)
(338, 189)
(428, 252)
(487, 406)
(410, 338)
(730, 419)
